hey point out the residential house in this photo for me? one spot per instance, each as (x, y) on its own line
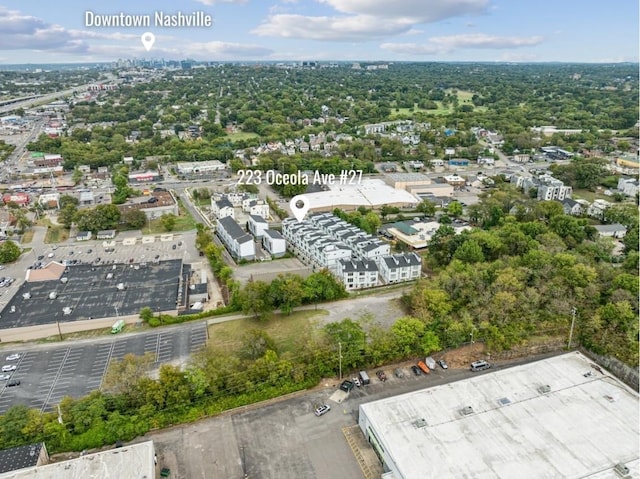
(572, 207)
(254, 206)
(257, 225)
(615, 230)
(597, 208)
(83, 236)
(274, 243)
(628, 186)
(239, 243)
(222, 208)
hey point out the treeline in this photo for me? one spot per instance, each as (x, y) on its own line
(521, 277)
(249, 369)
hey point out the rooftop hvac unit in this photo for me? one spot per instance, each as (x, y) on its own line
(622, 470)
(121, 287)
(466, 411)
(544, 389)
(420, 423)
(67, 310)
(26, 296)
(53, 295)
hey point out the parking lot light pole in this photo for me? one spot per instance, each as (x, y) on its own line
(59, 330)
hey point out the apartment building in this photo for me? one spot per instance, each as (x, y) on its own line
(400, 267)
(222, 208)
(238, 242)
(358, 274)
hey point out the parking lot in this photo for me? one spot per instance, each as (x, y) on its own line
(47, 374)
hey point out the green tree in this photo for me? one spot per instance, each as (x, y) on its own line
(67, 215)
(286, 292)
(408, 332)
(146, 314)
(68, 200)
(254, 299)
(349, 337)
(454, 209)
(134, 218)
(77, 176)
(469, 252)
(168, 221)
(123, 375)
(9, 252)
(255, 344)
(427, 207)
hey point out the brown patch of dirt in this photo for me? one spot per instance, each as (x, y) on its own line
(463, 356)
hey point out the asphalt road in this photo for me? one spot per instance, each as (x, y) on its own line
(49, 373)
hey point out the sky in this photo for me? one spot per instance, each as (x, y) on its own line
(44, 31)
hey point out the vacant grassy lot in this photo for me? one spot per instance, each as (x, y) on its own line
(288, 331)
(242, 135)
(56, 234)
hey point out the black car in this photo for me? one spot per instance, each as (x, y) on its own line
(416, 370)
(41, 257)
(347, 385)
(13, 382)
(174, 247)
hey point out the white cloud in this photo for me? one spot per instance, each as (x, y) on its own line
(25, 32)
(347, 28)
(446, 44)
(213, 2)
(363, 20)
(422, 11)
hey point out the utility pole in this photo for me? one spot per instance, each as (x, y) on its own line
(573, 322)
(59, 330)
(340, 358)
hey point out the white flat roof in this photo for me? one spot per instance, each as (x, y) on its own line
(370, 193)
(128, 462)
(581, 428)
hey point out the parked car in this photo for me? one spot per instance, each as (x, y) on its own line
(321, 410)
(381, 375)
(443, 364)
(13, 357)
(41, 257)
(356, 381)
(416, 370)
(430, 362)
(423, 367)
(173, 247)
(7, 368)
(480, 365)
(347, 385)
(398, 372)
(13, 382)
(5, 377)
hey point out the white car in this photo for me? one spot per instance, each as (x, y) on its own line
(13, 357)
(325, 408)
(50, 255)
(5, 377)
(7, 368)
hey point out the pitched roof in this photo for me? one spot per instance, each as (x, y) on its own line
(231, 227)
(223, 203)
(273, 234)
(402, 260)
(357, 266)
(52, 271)
(257, 218)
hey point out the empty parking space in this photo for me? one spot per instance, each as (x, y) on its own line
(48, 375)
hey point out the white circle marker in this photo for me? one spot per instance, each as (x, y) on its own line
(299, 205)
(148, 39)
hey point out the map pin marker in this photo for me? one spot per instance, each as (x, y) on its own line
(299, 205)
(148, 39)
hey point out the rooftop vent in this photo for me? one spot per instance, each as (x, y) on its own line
(466, 411)
(53, 295)
(26, 296)
(544, 389)
(504, 401)
(419, 423)
(67, 310)
(622, 470)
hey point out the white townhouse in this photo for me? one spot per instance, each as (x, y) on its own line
(400, 267)
(274, 243)
(222, 208)
(254, 206)
(257, 225)
(357, 274)
(239, 243)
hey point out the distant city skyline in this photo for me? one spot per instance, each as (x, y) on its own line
(324, 30)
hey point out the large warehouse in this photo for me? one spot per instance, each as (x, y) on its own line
(558, 417)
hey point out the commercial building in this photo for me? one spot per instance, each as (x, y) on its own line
(417, 234)
(146, 177)
(405, 181)
(239, 243)
(370, 193)
(558, 417)
(274, 243)
(199, 167)
(257, 225)
(162, 202)
(128, 462)
(18, 458)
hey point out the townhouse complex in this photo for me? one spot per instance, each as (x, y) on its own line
(356, 258)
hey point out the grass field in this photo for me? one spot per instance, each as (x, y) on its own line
(589, 196)
(56, 234)
(288, 331)
(27, 237)
(183, 223)
(242, 135)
